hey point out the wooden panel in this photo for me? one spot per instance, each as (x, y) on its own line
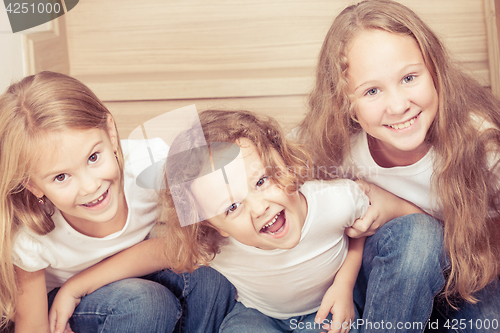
(288, 110)
(47, 50)
(130, 50)
(493, 49)
(164, 36)
(127, 36)
(497, 14)
(213, 84)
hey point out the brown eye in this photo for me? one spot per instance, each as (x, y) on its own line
(60, 177)
(232, 208)
(261, 181)
(94, 157)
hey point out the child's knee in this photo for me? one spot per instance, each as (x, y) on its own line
(418, 240)
(129, 305)
(143, 296)
(207, 277)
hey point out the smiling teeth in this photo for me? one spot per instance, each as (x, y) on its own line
(96, 200)
(403, 125)
(272, 222)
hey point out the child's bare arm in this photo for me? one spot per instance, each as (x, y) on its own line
(384, 206)
(339, 297)
(138, 260)
(31, 306)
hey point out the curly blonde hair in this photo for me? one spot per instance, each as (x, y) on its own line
(469, 192)
(197, 244)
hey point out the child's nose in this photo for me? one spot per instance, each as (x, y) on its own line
(89, 184)
(397, 102)
(257, 205)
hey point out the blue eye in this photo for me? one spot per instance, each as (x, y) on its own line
(60, 178)
(233, 207)
(408, 78)
(372, 91)
(261, 181)
(93, 158)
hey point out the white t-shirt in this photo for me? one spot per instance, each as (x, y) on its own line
(412, 182)
(287, 283)
(65, 252)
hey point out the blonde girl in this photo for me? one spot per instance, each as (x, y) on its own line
(389, 100)
(277, 235)
(68, 201)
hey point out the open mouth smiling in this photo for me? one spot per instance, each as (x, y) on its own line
(405, 124)
(96, 201)
(276, 224)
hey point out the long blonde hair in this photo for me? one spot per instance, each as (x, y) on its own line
(466, 180)
(37, 105)
(198, 243)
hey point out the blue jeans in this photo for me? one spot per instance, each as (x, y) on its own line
(402, 272)
(481, 317)
(160, 302)
(248, 320)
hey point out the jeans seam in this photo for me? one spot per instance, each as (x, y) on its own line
(90, 313)
(103, 325)
(182, 301)
(388, 247)
(186, 285)
(389, 235)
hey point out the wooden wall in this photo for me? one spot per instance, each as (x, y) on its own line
(146, 58)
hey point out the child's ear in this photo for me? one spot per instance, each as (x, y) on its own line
(33, 189)
(222, 233)
(112, 133)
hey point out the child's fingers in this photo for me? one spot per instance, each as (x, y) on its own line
(59, 323)
(323, 311)
(342, 330)
(352, 232)
(342, 316)
(339, 325)
(360, 228)
(61, 327)
(52, 320)
(68, 329)
(365, 226)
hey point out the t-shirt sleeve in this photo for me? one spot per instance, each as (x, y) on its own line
(360, 201)
(28, 252)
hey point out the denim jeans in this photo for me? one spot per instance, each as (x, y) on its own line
(481, 317)
(248, 320)
(160, 302)
(402, 272)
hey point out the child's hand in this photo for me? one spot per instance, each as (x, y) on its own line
(384, 206)
(62, 309)
(337, 300)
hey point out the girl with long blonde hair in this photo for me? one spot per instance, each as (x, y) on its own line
(390, 106)
(67, 201)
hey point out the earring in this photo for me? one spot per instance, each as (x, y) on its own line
(116, 156)
(41, 201)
